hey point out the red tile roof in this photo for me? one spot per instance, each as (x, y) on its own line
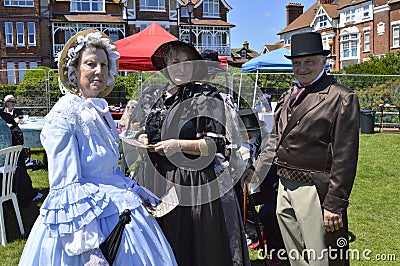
(210, 22)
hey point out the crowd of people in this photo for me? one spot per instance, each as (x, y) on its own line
(190, 138)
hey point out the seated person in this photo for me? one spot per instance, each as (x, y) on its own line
(22, 185)
(9, 107)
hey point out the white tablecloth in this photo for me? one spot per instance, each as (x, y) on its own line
(31, 129)
(268, 118)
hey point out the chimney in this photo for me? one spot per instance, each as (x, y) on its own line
(293, 11)
(246, 45)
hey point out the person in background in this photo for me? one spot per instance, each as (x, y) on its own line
(9, 107)
(265, 102)
(228, 165)
(5, 138)
(315, 151)
(88, 190)
(185, 130)
(124, 122)
(22, 185)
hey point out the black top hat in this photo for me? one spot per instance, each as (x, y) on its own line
(250, 120)
(305, 44)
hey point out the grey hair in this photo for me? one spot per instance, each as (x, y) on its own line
(91, 45)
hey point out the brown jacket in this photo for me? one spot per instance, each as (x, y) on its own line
(321, 138)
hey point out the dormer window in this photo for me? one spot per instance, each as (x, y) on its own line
(243, 54)
(323, 21)
(87, 6)
(211, 8)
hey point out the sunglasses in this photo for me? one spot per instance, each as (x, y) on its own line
(130, 107)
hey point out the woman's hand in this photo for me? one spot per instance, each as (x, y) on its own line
(167, 147)
(143, 139)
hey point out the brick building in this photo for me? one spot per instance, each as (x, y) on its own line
(40, 29)
(352, 29)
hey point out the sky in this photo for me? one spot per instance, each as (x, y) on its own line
(259, 21)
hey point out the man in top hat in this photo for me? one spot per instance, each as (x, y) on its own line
(315, 149)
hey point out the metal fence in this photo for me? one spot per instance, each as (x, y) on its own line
(38, 90)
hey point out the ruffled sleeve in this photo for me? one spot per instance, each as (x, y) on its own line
(71, 203)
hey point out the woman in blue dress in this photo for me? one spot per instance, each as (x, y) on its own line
(88, 191)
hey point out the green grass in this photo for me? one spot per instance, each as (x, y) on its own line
(373, 215)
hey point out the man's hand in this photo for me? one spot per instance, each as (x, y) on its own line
(246, 176)
(332, 221)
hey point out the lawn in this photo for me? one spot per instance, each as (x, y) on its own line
(373, 214)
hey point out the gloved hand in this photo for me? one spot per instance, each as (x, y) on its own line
(149, 199)
(94, 257)
(167, 147)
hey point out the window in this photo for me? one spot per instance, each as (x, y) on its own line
(18, 3)
(243, 54)
(21, 71)
(349, 44)
(11, 73)
(9, 33)
(322, 21)
(113, 34)
(381, 28)
(185, 37)
(350, 15)
(367, 40)
(68, 35)
(366, 12)
(396, 36)
(211, 8)
(32, 65)
(31, 33)
(325, 42)
(87, 5)
(20, 33)
(158, 5)
(206, 41)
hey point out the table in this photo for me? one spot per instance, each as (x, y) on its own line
(268, 118)
(31, 129)
(383, 113)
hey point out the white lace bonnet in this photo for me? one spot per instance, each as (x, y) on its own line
(67, 73)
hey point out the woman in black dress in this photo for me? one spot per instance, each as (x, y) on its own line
(185, 127)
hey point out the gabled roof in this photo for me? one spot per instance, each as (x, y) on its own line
(235, 52)
(332, 10)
